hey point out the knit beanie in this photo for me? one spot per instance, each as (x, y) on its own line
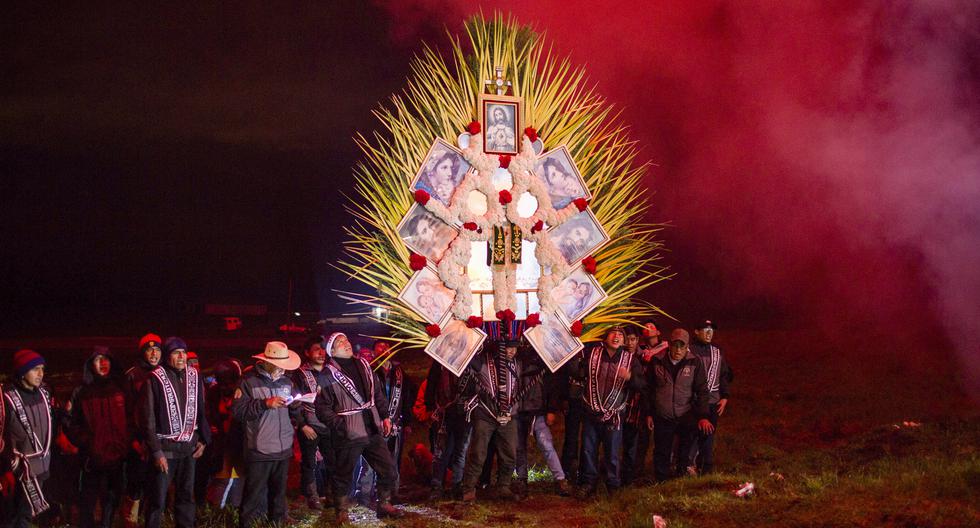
(149, 340)
(330, 341)
(25, 360)
(173, 343)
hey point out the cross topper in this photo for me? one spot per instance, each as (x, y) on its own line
(499, 84)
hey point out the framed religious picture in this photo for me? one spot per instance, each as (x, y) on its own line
(503, 123)
(553, 340)
(442, 170)
(561, 177)
(426, 234)
(577, 294)
(456, 345)
(427, 295)
(578, 236)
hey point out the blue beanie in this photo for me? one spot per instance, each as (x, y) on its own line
(173, 343)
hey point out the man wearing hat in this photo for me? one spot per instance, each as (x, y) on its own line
(175, 429)
(27, 431)
(353, 404)
(261, 405)
(138, 465)
(719, 375)
(312, 433)
(608, 373)
(677, 403)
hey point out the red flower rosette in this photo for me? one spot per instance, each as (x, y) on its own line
(506, 315)
(471, 226)
(474, 127)
(533, 320)
(416, 261)
(421, 196)
(505, 197)
(433, 330)
(531, 134)
(474, 321)
(504, 160)
(576, 328)
(581, 203)
(538, 226)
(589, 264)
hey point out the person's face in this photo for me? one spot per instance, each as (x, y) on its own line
(425, 230)
(678, 349)
(316, 354)
(101, 365)
(273, 370)
(556, 178)
(444, 172)
(511, 352)
(342, 345)
(381, 349)
(632, 342)
(614, 339)
(34, 377)
(178, 359)
(578, 236)
(582, 291)
(651, 333)
(499, 116)
(705, 334)
(194, 364)
(152, 355)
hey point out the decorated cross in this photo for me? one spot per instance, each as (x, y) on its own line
(498, 84)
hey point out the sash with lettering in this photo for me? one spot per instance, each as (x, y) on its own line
(182, 424)
(351, 388)
(713, 367)
(500, 392)
(395, 394)
(606, 406)
(32, 488)
(310, 383)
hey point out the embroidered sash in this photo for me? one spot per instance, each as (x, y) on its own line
(713, 367)
(607, 406)
(32, 488)
(395, 397)
(182, 424)
(351, 389)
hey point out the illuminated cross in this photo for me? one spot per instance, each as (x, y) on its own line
(499, 83)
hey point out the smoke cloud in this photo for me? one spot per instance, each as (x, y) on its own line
(820, 161)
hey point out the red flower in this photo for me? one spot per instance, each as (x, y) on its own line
(505, 197)
(538, 226)
(416, 261)
(504, 160)
(581, 203)
(506, 315)
(533, 320)
(470, 225)
(589, 264)
(421, 196)
(531, 134)
(433, 330)
(577, 328)
(474, 127)
(474, 321)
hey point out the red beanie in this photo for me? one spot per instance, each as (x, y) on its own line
(150, 340)
(25, 360)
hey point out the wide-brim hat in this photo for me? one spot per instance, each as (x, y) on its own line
(277, 353)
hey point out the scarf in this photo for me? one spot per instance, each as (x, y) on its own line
(182, 424)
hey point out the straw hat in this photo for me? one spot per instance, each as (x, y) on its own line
(277, 353)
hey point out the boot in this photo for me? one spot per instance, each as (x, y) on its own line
(340, 503)
(385, 509)
(469, 495)
(563, 488)
(312, 497)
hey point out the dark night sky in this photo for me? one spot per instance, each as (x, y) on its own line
(818, 161)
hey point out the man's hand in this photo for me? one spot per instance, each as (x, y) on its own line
(308, 432)
(161, 464)
(705, 426)
(624, 373)
(386, 427)
(274, 402)
(549, 419)
(199, 450)
(722, 403)
(650, 423)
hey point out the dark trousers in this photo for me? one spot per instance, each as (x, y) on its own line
(636, 443)
(95, 484)
(180, 473)
(570, 447)
(375, 452)
(365, 479)
(595, 433)
(265, 492)
(137, 470)
(308, 464)
(16, 512)
(450, 450)
(664, 434)
(702, 453)
(483, 430)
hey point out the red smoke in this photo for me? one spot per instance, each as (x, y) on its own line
(819, 160)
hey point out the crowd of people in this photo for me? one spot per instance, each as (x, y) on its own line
(228, 438)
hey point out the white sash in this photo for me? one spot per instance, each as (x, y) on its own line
(351, 388)
(396, 392)
(182, 424)
(713, 367)
(595, 400)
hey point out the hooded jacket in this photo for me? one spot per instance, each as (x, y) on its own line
(99, 424)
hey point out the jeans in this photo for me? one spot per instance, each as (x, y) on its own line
(536, 423)
(702, 450)
(180, 473)
(664, 433)
(483, 429)
(451, 454)
(595, 432)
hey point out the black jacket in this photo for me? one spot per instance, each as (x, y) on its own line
(154, 415)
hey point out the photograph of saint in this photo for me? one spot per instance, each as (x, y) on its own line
(425, 234)
(427, 295)
(501, 124)
(456, 345)
(553, 341)
(579, 236)
(564, 182)
(442, 171)
(578, 294)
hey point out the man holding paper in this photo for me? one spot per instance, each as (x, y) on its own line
(261, 404)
